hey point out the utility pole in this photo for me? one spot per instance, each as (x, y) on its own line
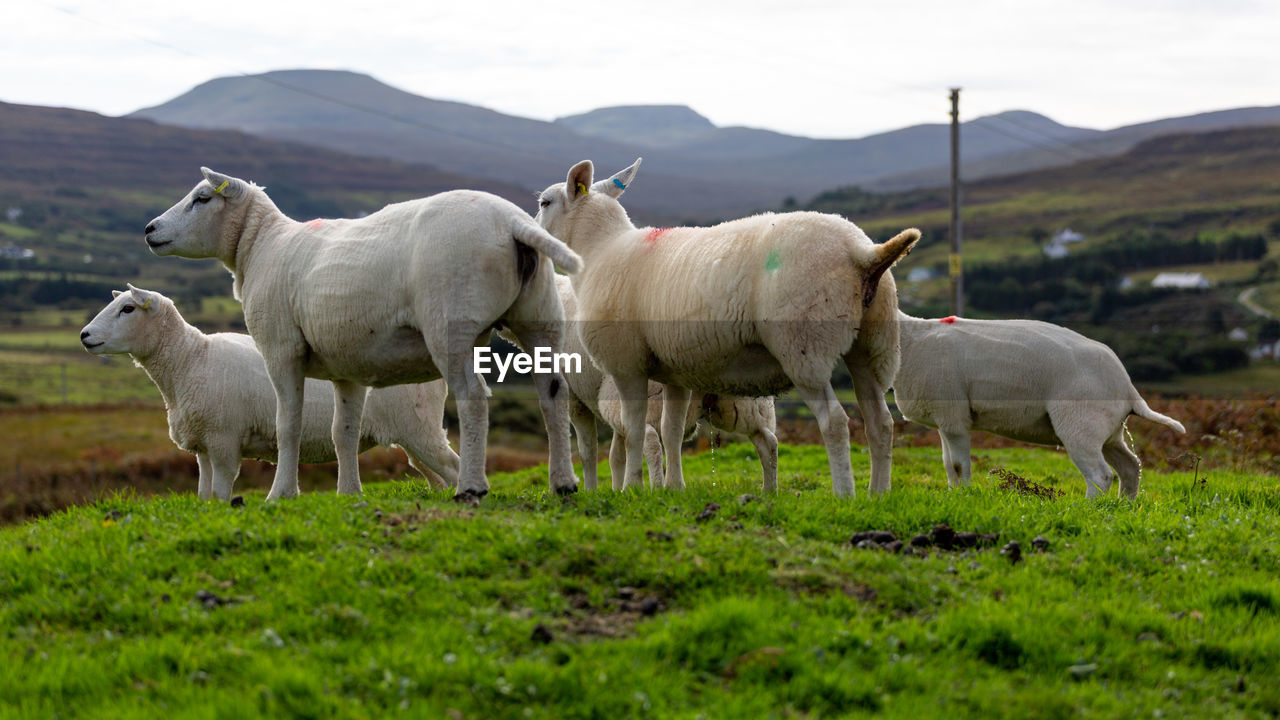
(956, 270)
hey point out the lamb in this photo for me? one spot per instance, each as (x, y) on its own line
(750, 307)
(221, 407)
(1027, 380)
(399, 296)
(594, 396)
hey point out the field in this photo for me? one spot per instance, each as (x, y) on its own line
(714, 602)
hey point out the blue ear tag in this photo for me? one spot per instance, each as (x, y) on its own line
(619, 183)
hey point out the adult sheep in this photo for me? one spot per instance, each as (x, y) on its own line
(399, 296)
(221, 407)
(593, 396)
(1023, 379)
(749, 307)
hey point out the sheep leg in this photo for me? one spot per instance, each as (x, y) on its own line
(348, 406)
(1076, 424)
(634, 394)
(433, 453)
(879, 424)
(833, 423)
(675, 406)
(204, 486)
(287, 380)
(618, 459)
(472, 399)
(553, 396)
(1125, 462)
(584, 426)
(225, 463)
(955, 455)
(767, 448)
(653, 457)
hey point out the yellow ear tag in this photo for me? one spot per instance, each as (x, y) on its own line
(582, 189)
(222, 187)
(145, 304)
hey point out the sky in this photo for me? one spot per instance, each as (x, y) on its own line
(821, 68)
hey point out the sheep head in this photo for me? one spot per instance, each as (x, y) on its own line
(580, 209)
(205, 223)
(121, 326)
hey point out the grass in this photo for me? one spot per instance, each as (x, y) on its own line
(402, 603)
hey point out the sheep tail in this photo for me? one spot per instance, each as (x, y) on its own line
(1141, 409)
(531, 234)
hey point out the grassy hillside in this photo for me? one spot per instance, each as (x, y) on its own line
(402, 603)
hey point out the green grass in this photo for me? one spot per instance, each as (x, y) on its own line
(36, 377)
(401, 603)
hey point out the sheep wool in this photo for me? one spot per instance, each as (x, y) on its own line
(221, 407)
(750, 307)
(399, 296)
(1027, 380)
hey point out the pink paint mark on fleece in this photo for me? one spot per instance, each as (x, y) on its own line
(950, 320)
(652, 236)
(315, 224)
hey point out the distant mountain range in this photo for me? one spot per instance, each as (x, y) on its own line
(692, 168)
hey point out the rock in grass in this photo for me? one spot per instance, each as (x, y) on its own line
(1083, 670)
(875, 537)
(708, 512)
(1012, 551)
(237, 501)
(943, 536)
(1041, 544)
(541, 634)
(920, 540)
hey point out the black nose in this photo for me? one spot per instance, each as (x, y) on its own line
(84, 334)
(151, 227)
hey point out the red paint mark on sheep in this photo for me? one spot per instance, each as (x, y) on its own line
(652, 236)
(315, 224)
(949, 320)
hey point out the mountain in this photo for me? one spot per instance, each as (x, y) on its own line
(691, 168)
(84, 185)
(354, 113)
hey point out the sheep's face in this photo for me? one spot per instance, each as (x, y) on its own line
(120, 326)
(580, 206)
(202, 223)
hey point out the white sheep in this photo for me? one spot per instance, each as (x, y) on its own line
(1023, 379)
(221, 407)
(749, 308)
(399, 296)
(594, 396)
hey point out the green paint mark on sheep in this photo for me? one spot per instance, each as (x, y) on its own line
(773, 262)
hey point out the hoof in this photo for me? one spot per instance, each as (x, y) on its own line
(470, 497)
(567, 490)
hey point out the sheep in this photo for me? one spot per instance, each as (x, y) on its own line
(1023, 379)
(749, 307)
(221, 407)
(399, 296)
(594, 396)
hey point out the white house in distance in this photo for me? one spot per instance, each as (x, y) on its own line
(1056, 248)
(1181, 281)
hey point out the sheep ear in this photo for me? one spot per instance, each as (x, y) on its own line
(579, 179)
(143, 298)
(115, 294)
(618, 184)
(225, 185)
(887, 254)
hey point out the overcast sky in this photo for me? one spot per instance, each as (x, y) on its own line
(821, 68)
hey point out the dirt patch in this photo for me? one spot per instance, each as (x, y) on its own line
(614, 618)
(815, 582)
(1013, 482)
(420, 516)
